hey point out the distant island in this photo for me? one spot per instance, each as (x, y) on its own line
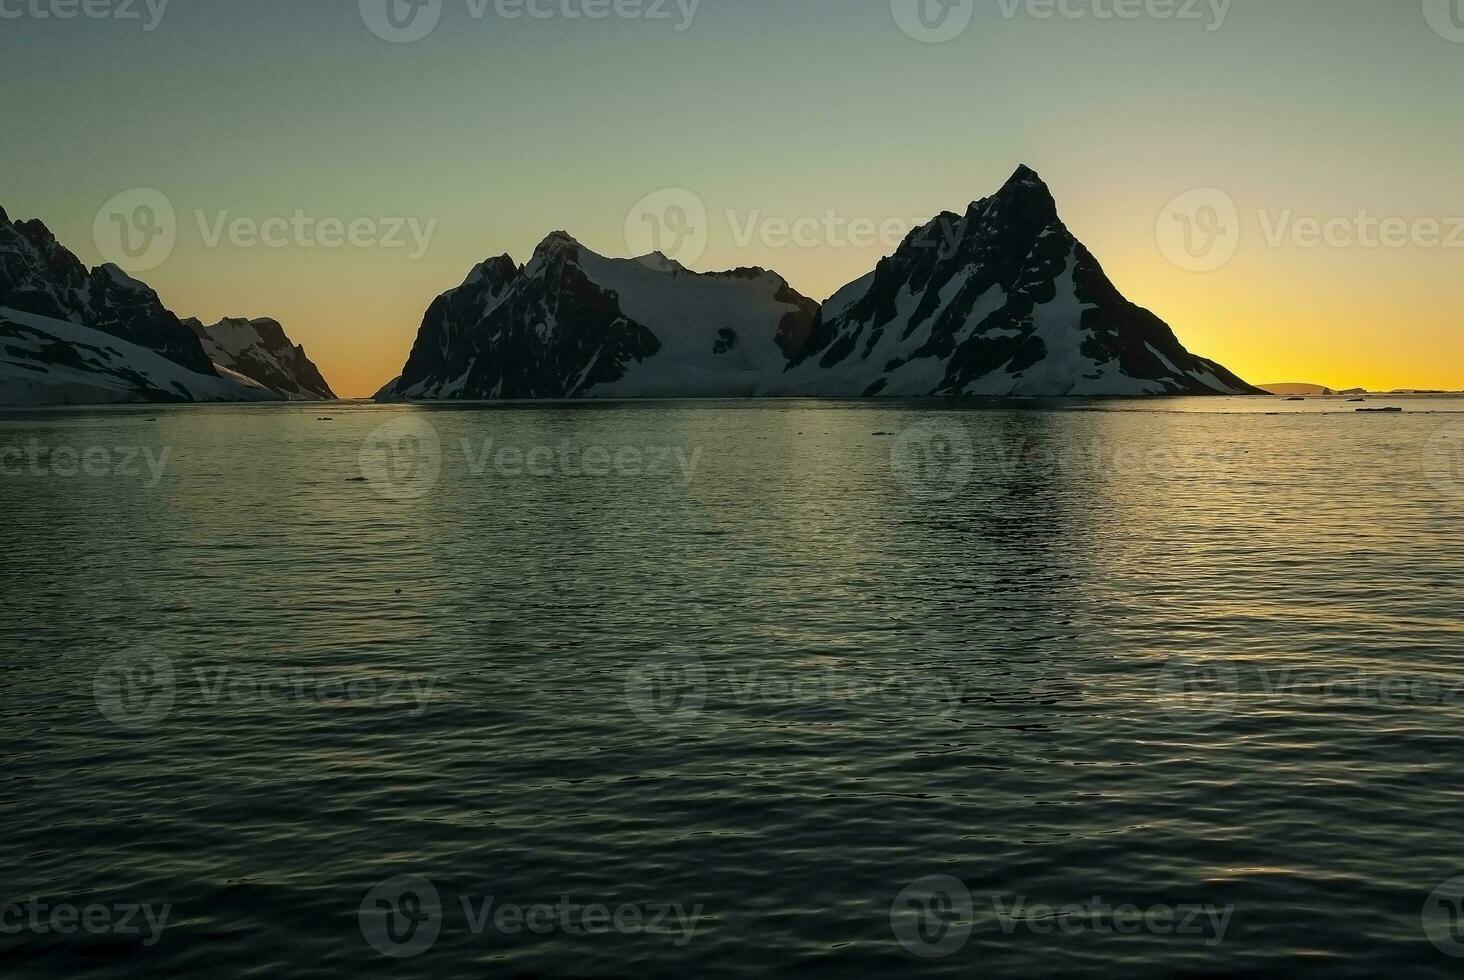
(1299, 389)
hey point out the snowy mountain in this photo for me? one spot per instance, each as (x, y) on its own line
(74, 335)
(259, 349)
(55, 362)
(572, 323)
(39, 275)
(1000, 301)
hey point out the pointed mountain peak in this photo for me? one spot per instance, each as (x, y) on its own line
(1024, 175)
(558, 241)
(660, 262)
(4, 218)
(1024, 197)
(496, 270)
(1024, 184)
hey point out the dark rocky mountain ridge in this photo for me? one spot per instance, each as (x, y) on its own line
(1001, 300)
(75, 334)
(40, 275)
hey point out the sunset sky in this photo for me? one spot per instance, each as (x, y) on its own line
(494, 131)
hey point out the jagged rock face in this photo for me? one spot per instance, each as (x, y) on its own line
(1000, 301)
(545, 331)
(259, 349)
(574, 324)
(796, 328)
(448, 343)
(39, 275)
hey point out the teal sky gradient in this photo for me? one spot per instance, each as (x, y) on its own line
(502, 131)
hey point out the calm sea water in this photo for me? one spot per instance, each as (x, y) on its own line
(733, 690)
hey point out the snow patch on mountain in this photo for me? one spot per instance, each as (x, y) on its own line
(718, 331)
(45, 361)
(573, 323)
